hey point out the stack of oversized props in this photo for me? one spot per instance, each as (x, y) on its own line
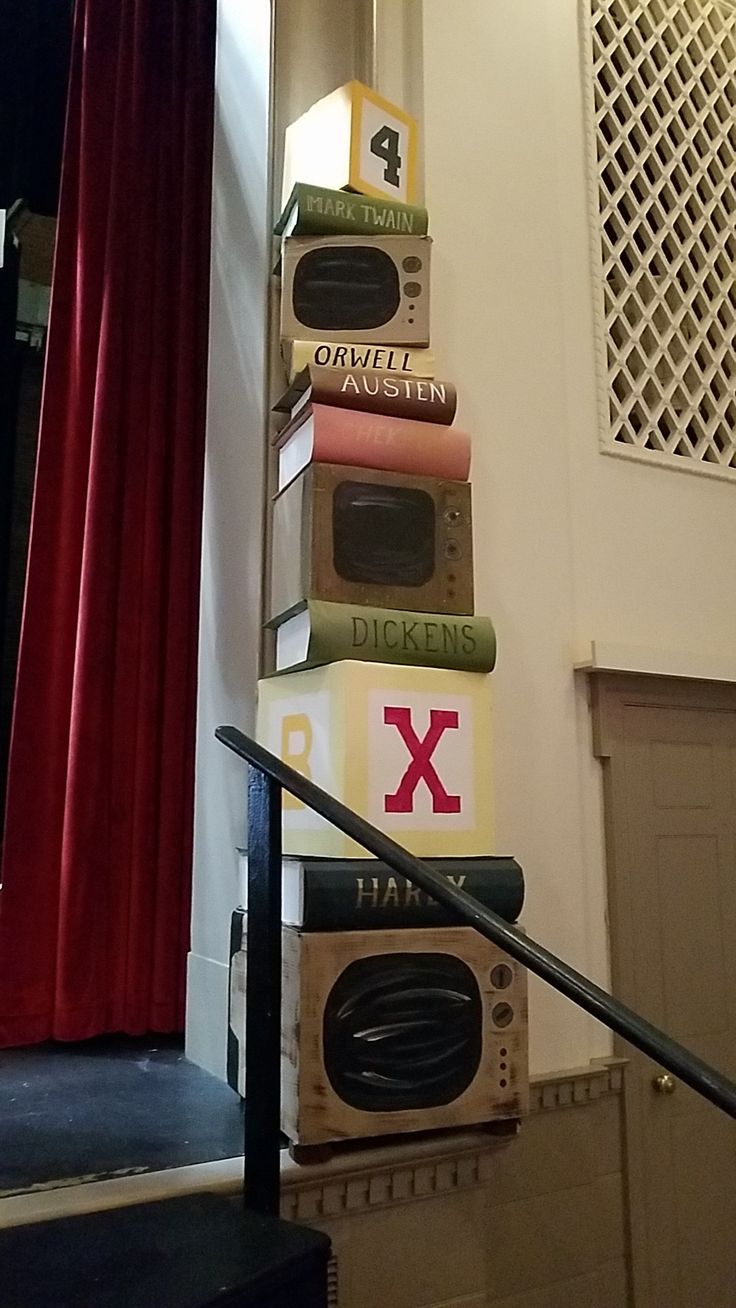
(395, 1019)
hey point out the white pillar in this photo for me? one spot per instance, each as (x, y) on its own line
(233, 500)
(317, 45)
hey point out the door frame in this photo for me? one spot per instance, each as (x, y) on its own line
(611, 693)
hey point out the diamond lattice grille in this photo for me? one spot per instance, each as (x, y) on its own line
(663, 99)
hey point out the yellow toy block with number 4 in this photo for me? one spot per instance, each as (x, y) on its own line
(408, 748)
(354, 140)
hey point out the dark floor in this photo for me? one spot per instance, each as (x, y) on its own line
(109, 1106)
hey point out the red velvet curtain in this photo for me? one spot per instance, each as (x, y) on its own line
(94, 909)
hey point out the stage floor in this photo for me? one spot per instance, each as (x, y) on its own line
(71, 1113)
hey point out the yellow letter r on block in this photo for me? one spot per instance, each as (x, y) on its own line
(296, 746)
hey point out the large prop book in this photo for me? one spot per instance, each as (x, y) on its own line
(321, 632)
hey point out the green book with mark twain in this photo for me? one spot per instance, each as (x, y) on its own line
(317, 211)
(325, 632)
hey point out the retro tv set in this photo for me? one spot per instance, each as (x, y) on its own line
(371, 289)
(392, 1031)
(362, 536)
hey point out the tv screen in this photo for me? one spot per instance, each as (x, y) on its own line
(403, 1031)
(383, 535)
(345, 288)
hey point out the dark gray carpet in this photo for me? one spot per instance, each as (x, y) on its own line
(104, 1107)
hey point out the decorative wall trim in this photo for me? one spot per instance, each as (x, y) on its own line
(604, 1076)
(612, 656)
(379, 1178)
(305, 1199)
(333, 1283)
(360, 1181)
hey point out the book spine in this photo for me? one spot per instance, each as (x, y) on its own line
(431, 640)
(371, 391)
(372, 440)
(322, 212)
(382, 358)
(375, 898)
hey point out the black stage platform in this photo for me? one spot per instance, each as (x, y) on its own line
(193, 1252)
(79, 1112)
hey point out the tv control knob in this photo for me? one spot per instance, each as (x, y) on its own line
(501, 976)
(502, 1015)
(453, 551)
(412, 289)
(453, 517)
(411, 264)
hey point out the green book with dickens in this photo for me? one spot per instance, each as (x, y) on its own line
(317, 211)
(326, 632)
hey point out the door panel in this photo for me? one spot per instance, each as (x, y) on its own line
(670, 786)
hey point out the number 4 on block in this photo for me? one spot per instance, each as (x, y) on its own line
(353, 139)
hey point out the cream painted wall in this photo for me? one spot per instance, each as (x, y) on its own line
(572, 545)
(651, 544)
(498, 330)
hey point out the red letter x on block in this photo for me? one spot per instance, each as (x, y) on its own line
(421, 767)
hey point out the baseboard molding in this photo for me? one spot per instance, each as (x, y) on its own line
(361, 1180)
(206, 1018)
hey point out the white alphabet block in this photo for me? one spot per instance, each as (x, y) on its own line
(407, 748)
(353, 139)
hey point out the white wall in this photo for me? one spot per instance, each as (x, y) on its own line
(231, 552)
(573, 546)
(650, 543)
(497, 328)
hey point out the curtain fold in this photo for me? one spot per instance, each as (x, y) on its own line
(94, 908)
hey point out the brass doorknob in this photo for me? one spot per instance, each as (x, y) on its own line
(664, 1084)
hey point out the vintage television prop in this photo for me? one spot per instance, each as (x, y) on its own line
(363, 536)
(386, 1032)
(368, 289)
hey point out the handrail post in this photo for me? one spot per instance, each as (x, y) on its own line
(262, 1126)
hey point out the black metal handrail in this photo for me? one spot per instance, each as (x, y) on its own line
(268, 776)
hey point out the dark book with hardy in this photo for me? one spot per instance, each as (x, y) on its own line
(318, 211)
(359, 894)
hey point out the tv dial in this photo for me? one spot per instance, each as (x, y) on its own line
(502, 1015)
(411, 264)
(453, 517)
(452, 550)
(501, 976)
(412, 289)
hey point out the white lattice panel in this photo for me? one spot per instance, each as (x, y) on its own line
(662, 103)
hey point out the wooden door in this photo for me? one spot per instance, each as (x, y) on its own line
(669, 753)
